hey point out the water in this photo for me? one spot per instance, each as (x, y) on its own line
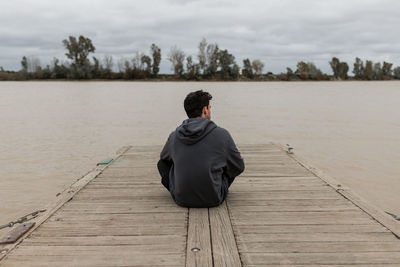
(54, 132)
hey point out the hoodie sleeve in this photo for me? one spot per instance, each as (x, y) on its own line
(235, 163)
(165, 163)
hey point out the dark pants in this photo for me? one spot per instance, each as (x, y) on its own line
(165, 166)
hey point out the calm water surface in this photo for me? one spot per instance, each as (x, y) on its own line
(54, 132)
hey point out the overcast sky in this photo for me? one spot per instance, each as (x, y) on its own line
(278, 32)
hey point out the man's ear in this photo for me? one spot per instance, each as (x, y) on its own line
(204, 111)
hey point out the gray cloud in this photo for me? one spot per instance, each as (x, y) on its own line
(279, 32)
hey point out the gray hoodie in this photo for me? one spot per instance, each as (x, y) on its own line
(198, 163)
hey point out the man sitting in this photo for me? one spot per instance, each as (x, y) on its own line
(199, 160)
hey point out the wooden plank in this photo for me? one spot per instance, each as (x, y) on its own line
(276, 173)
(312, 218)
(354, 214)
(112, 229)
(147, 190)
(299, 228)
(198, 251)
(319, 265)
(287, 202)
(131, 172)
(293, 169)
(121, 219)
(129, 177)
(315, 237)
(276, 206)
(269, 188)
(133, 200)
(107, 259)
(154, 249)
(224, 246)
(285, 194)
(322, 258)
(124, 197)
(318, 247)
(113, 208)
(108, 240)
(271, 180)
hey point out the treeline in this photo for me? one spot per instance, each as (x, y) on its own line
(211, 63)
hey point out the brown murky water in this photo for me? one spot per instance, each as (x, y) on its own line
(54, 132)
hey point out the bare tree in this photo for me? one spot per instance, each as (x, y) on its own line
(108, 62)
(177, 57)
(33, 64)
(257, 66)
(377, 70)
(137, 61)
(202, 56)
(122, 64)
(212, 58)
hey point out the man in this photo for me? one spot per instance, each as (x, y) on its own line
(200, 160)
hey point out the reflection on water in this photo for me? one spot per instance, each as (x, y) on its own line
(53, 132)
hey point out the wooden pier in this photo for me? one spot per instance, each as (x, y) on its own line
(279, 211)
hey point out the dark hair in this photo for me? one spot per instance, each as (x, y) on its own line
(194, 103)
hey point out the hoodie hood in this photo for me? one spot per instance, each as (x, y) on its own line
(193, 130)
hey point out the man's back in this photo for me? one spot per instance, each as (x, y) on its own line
(199, 162)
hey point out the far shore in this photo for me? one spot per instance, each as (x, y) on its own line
(194, 81)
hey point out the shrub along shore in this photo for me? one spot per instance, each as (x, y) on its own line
(212, 64)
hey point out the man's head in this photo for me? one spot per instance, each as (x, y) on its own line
(197, 105)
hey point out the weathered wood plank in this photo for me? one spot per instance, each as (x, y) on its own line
(271, 180)
(198, 251)
(154, 249)
(320, 265)
(318, 247)
(315, 237)
(285, 194)
(133, 200)
(322, 258)
(319, 228)
(108, 240)
(136, 218)
(312, 218)
(123, 195)
(82, 229)
(107, 259)
(303, 214)
(287, 202)
(112, 208)
(224, 246)
(268, 208)
(269, 188)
